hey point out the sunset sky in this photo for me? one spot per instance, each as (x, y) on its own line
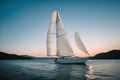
(24, 24)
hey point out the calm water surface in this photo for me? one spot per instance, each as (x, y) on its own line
(46, 69)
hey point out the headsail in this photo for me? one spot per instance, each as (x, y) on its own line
(80, 43)
(63, 44)
(50, 45)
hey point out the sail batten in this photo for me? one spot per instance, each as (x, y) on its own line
(80, 43)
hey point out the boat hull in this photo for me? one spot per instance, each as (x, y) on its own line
(71, 61)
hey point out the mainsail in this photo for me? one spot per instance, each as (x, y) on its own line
(80, 43)
(63, 44)
(50, 45)
(62, 41)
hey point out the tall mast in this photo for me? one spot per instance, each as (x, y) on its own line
(56, 33)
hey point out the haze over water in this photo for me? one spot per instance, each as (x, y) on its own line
(46, 69)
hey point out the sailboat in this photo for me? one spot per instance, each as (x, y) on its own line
(64, 51)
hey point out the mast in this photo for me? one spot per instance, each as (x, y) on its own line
(56, 34)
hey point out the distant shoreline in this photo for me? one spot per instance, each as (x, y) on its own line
(111, 55)
(6, 56)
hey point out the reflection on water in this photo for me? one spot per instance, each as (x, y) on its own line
(89, 73)
(75, 72)
(71, 72)
(48, 70)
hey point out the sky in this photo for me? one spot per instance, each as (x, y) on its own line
(24, 24)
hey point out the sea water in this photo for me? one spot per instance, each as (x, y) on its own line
(46, 69)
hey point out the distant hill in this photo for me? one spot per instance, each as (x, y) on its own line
(33, 57)
(114, 54)
(6, 56)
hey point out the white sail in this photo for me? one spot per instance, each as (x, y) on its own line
(80, 43)
(63, 44)
(50, 44)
